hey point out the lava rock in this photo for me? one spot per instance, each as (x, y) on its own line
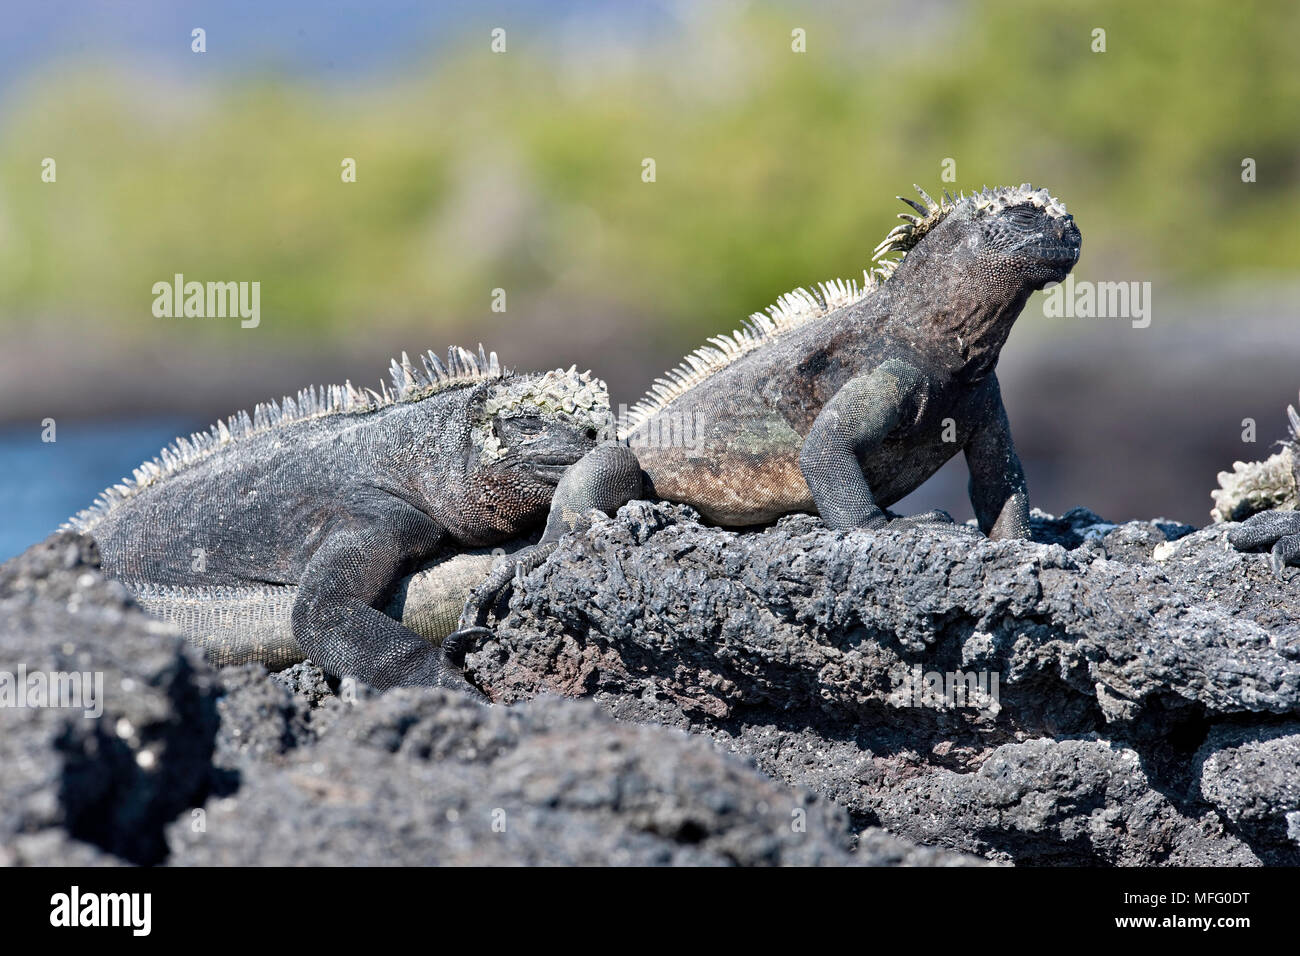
(188, 766)
(863, 666)
(96, 782)
(1115, 694)
(427, 777)
(1253, 776)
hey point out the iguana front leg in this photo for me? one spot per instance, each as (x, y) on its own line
(337, 619)
(1279, 531)
(607, 478)
(998, 492)
(859, 417)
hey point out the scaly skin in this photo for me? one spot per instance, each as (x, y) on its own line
(841, 404)
(342, 494)
(1266, 495)
(254, 624)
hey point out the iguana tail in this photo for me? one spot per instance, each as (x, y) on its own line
(242, 625)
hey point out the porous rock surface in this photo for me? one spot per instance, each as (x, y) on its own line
(749, 697)
(1148, 678)
(188, 766)
(94, 789)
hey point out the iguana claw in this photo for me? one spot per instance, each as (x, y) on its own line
(459, 643)
(937, 516)
(888, 519)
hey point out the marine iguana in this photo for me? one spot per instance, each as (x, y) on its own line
(842, 400)
(340, 492)
(1265, 496)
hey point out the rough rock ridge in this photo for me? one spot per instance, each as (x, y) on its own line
(188, 766)
(1133, 698)
(1148, 679)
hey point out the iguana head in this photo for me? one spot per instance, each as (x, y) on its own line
(971, 263)
(1011, 238)
(535, 426)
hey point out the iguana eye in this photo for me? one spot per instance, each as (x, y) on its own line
(1022, 216)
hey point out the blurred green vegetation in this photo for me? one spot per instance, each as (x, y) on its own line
(774, 169)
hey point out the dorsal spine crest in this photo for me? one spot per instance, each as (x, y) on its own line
(797, 308)
(409, 384)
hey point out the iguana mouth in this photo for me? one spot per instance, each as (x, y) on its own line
(1047, 250)
(551, 470)
(1057, 252)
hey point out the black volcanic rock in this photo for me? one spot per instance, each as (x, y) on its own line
(1134, 698)
(1118, 650)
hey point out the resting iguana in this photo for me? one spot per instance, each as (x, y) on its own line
(844, 399)
(1265, 496)
(341, 492)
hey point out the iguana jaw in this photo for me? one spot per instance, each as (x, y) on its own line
(551, 471)
(1047, 251)
(1053, 256)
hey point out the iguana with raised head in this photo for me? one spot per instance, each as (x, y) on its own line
(1265, 496)
(842, 400)
(339, 493)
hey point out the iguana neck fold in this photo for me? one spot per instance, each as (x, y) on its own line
(963, 336)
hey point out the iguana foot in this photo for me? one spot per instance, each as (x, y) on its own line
(1277, 530)
(472, 625)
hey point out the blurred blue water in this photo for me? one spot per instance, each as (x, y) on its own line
(43, 483)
